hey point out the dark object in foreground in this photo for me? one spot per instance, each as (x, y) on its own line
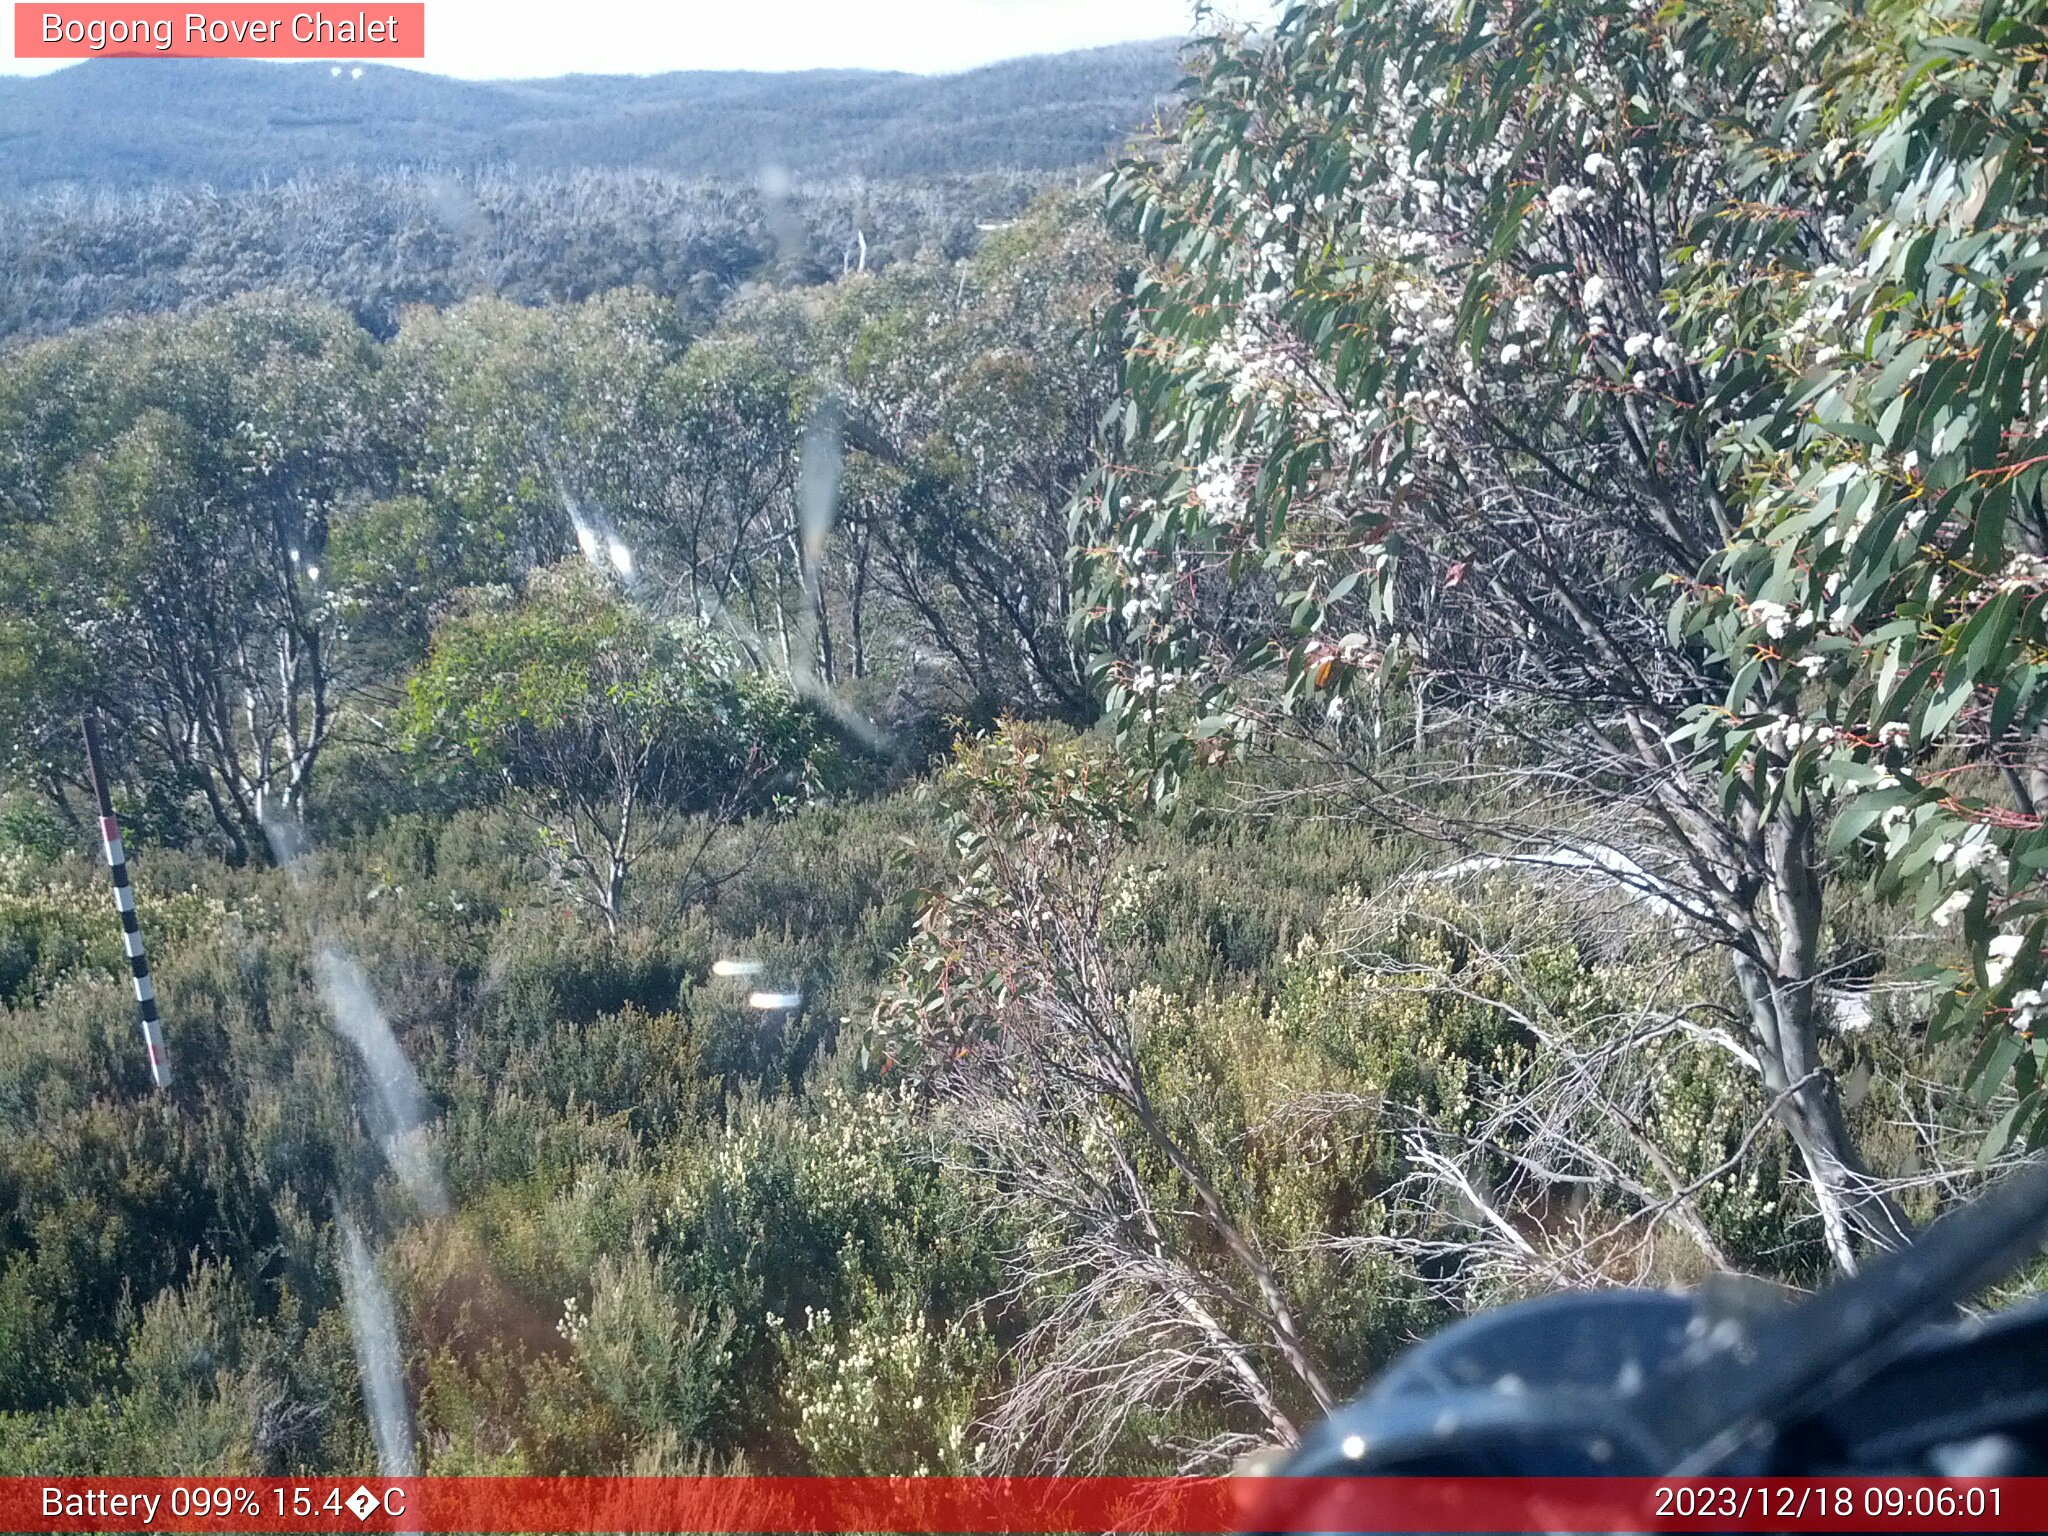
(1870, 1377)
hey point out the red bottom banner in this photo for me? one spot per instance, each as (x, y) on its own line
(1016, 1506)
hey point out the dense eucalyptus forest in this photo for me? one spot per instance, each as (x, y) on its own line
(374, 244)
(1019, 820)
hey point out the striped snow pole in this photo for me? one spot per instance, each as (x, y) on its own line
(124, 903)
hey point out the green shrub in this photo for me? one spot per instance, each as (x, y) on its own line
(889, 1391)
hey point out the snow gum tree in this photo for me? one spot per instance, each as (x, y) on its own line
(1880, 609)
(166, 494)
(1437, 378)
(605, 726)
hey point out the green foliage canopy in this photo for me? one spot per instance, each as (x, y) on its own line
(604, 721)
(570, 685)
(1881, 608)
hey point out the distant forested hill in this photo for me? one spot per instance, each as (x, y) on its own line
(135, 186)
(373, 244)
(120, 123)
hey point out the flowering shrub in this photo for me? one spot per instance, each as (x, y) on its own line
(54, 927)
(890, 1391)
(654, 1353)
(829, 1207)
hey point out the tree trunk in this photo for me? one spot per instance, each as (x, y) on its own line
(1780, 984)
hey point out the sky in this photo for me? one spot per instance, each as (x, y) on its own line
(505, 39)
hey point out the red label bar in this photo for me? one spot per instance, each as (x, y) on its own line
(754, 1506)
(229, 31)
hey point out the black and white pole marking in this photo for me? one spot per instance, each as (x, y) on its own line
(124, 903)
